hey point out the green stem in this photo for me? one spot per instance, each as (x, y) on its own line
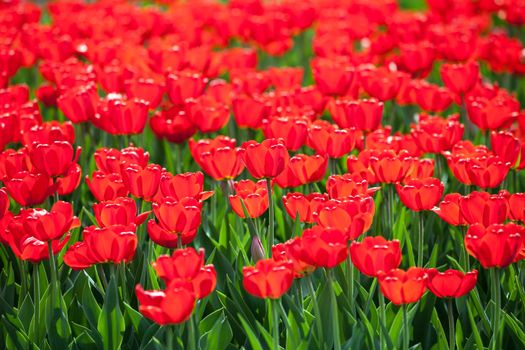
(271, 215)
(317, 312)
(382, 315)
(275, 323)
(23, 280)
(191, 334)
(451, 330)
(178, 159)
(53, 270)
(350, 278)
(102, 275)
(122, 270)
(497, 308)
(335, 320)
(169, 338)
(406, 333)
(36, 300)
(421, 239)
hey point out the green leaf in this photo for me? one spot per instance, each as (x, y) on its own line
(252, 338)
(516, 327)
(111, 324)
(441, 336)
(220, 335)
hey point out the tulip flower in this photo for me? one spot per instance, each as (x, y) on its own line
(120, 211)
(381, 83)
(460, 78)
(292, 130)
(207, 114)
(109, 160)
(297, 204)
(79, 103)
(305, 169)
(374, 255)
(333, 77)
(266, 159)
(172, 306)
(434, 134)
(325, 139)
(420, 194)
(390, 167)
(347, 185)
(268, 278)
(183, 185)
(187, 265)
(48, 133)
(106, 186)
(184, 84)
(451, 283)
(253, 195)
(449, 210)
(363, 115)
(223, 162)
(142, 182)
(517, 207)
(53, 159)
(323, 247)
(29, 189)
(173, 124)
(291, 251)
(49, 226)
(249, 111)
(484, 208)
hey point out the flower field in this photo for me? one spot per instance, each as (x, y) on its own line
(249, 174)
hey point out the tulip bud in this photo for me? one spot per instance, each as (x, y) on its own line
(257, 249)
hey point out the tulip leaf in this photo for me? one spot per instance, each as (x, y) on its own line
(111, 324)
(516, 327)
(441, 336)
(250, 334)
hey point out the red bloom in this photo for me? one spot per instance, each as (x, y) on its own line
(460, 78)
(437, 134)
(222, 162)
(116, 244)
(390, 167)
(79, 103)
(292, 130)
(432, 98)
(172, 306)
(253, 195)
(265, 159)
(142, 182)
(449, 210)
(363, 115)
(187, 265)
(484, 208)
(249, 111)
(494, 246)
(120, 211)
(291, 251)
(29, 189)
(297, 203)
(184, 84)
(268, 278)
(53, 159)
(147, 90)
(4, 202)
(508, 148)
(49, 132)
(403, 287)
(207, 114)
(492, 113)
(70, 181)
(307, 169)
(451, 283)
(375, 255)
(173, 124)
(486, 171)
(183, 185)
(109, 160)
(119, 116)
(106, 187)
(420, 194)
(181, 217)
(323, 247)
(333, 77)
(325, 139)
(347, 185)
(517, 206)
(351, 215)
(53, 225)
(381, 83)
(206, 145)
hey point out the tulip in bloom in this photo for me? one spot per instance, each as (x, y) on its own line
(306, 169)
(362, 115)
(496, 245)
(449, 210)
(184, 84)
(53, 159)
(173, 124)
(172, 306)
(249, 111)
(517, 207)
(327, 140)
(142, 182)
(79, 103)
(304, 206)
(119, 116)
(29, 189)
(115, 244)
(451, 283)
(403, 287)
(484, 208)
(508, 148)
(254, 196)
(106, 186)
(268, 278)
(110, 160)
(120, 211)
(323, 247)
(347, 185)
(332, 77)
(390, 167)
(266, 159)
(183, 185)
(292, 130)
(420, 194)
(222, 162)
(460, 78)
(291, 251)
(187, 265)
(49, 226)
(434, 134)
(493, 113)
(207, 114)
(374, 255)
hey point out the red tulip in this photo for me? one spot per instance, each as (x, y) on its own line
(347, 185)
(223, 162)
(4, 202)
(449, 210)
(494, 246)
(508, 148)
(381, 83)
(390, 167)
(351, 215)
(53, 159)
(48, 133)
(323, 247)
(332, 77)
(207, 114)
(493, 113)
(403, 287)
(420, 194)
(120, 211)
(460, 78)
(116, 244)
(119, 116)
(207, 145)
(307, 169)
(172, 306)
(451, 283)
(53, 225)
(268, 278)
(79, 103)
(106, 187)
(70, 181)
(249, 111)
(432, 98)
(183, 185)
(147, 90)
(325, 139)
(181, 217)
(173, 124)
(297, 203)
(374, 255)
(517, 206)
(363, 115)
(292, 130)
(291, 251)
(109, 160)
(142, 182)
(437, 134)
(253, 195)
(265, 159)
(187, 265)
(484, 208)
(184, 84)
(29, 189)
